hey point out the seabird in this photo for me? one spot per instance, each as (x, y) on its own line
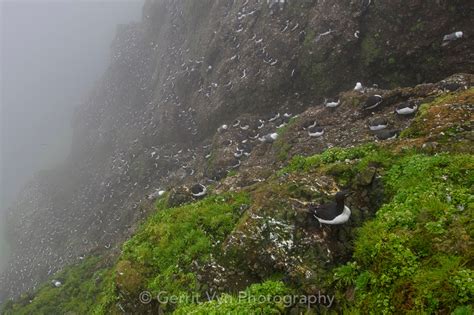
(274, 117)
(333, 213)
(453, 36)
(198, 190)
(238, 153)
(245, 127)
(356, 34)
(222, 128)
(236, 165)
(387, 134)
(372, 102)
(315, 131)
(331, 104)
(451, 87)
(378, 124)
(56, 283)
(261, 124)
(157, 193)
(271, 137)
(253, 135)
(309, 124)
(406, 108)
(358, 87)
(236, 123)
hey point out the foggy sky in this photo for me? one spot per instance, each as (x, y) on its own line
(52, 53)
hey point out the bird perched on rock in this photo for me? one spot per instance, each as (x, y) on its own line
(315, 131)
(331, 104)
(387, 134)
(333, 213)
(378, 124)
(372, 102)
(406, 108)
(452, 37)
(309, 124)
(271, 137)
(198, 190)
(222, 128)
(358, 87)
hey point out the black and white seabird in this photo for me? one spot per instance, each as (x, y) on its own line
(387, 134)
(309, 124)
(253, 134)
(333, 213)
(244, 127)
(378, 124)
(275, 117)
(451, 87)
(238, 154)
(236, 164)
(372, 102)
(56, 283)
(315, 131)
(271, 137)
(406, 108)
(236, 123)
(198, 190)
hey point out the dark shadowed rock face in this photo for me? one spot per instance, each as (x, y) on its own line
(191, 66)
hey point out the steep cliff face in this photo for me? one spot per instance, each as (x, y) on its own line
(190, 66)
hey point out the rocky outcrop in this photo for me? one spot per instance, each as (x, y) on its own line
(191, 66)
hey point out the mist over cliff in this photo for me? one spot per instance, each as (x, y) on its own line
(52, 54)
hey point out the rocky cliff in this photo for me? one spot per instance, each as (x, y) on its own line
(192, 66)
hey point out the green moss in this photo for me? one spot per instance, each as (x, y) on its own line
(406, 258)
(264, 298)
(166, 247)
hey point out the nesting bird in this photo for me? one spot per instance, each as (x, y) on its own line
(387, 134)
(198, 190)
(378, 124)
(452, 37)
(270, 138)
(222, 128)
(331, 104)
(333, 213)
(358, 87)
(406, 108)
(372, 102)
(309, 124)
(315, 131)
(275, 117)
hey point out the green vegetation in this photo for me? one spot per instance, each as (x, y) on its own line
(247, 302)
(417, 254)
(86, 289)
(160, 257)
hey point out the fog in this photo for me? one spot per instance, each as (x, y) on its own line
(52, 53)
